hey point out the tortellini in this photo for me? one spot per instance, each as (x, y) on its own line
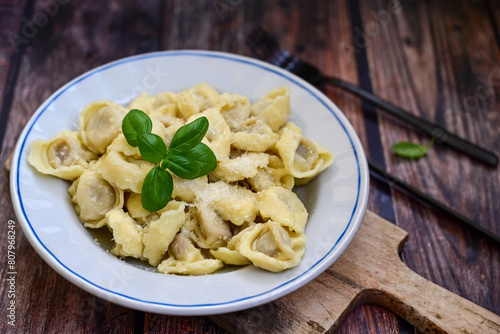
(124, 172)
(235, 109)
(270, 246)
(63, 156)
(219, 135)
(254, 135)
(208, 228)
(229, 254)
(196, 99)
(162, 231)
(187, 259)
(163, 104)
(301, 156)
(127, 234)
(243, 213)
(274, 107)
(283, 206)
(93, 197)
(274, 174)
(233, 203)
(100, 122)
(241, 167)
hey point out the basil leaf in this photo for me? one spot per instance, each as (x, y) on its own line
(204, 157)
(135, 123)
(183, 167)
(189, 135)
(152, 147)
(410, 150)
(199, 161)
(156, 189)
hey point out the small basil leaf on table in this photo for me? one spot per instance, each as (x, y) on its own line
(157, 189)
(152, 147)
(410, 150)
(199, 161)
(189, 135)
(135, 123)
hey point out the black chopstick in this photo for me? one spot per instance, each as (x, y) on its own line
(439, 134)
(382, 175)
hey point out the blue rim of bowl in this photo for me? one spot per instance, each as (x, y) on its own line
(235, 58)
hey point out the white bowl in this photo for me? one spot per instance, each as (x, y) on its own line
(336, 200)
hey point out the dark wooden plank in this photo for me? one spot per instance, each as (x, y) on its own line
(12, 46)
(437, 61)
(77, 37)
(10, 18)
(493, 8)
(339, 60)
(182, 325)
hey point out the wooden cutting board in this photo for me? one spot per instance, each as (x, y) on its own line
(369, 271)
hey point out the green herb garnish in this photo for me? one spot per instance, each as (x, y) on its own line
(411, 150)
(187, 156)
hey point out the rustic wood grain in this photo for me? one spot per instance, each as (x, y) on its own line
(429, 58)
(370, 270)
(493, 8)
(10, 18)
(439, 64)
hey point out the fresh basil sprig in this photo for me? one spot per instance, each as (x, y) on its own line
(187, 156)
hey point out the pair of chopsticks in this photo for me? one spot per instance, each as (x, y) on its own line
(267, 48)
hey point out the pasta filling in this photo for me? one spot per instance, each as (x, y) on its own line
(95, 196)
(306, 155)
(275, 242)
(61, 153)
(103, 127)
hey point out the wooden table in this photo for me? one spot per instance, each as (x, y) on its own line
(437, 59)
